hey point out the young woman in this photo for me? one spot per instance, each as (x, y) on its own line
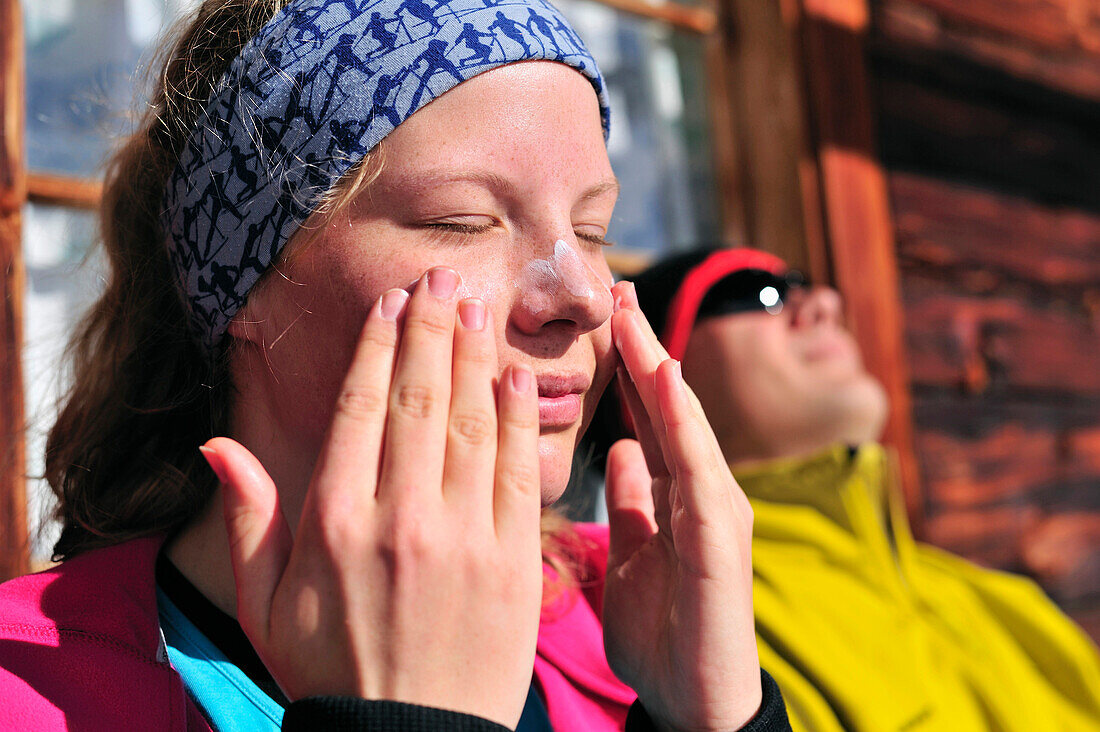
(366, 259)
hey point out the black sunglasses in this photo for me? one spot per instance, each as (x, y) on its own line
(750, 290)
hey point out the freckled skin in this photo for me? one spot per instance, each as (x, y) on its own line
(526, 141)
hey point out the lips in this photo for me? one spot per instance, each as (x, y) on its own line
(561, 399)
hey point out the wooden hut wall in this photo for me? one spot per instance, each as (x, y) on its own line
(989, 131)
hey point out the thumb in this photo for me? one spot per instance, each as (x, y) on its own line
(629, 500)
(259, 537)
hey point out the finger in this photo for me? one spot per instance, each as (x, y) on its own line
(347, 468)
(420, 395)
(704, 482)
(651, 450)
(472, 423)
(643, 428)
(640, 362)
(630, 510)
(517, 503)
(259, 538)
(627, 297)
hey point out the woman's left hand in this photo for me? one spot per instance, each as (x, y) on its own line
(678, 620)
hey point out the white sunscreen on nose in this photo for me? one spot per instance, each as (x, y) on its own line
(562, 269)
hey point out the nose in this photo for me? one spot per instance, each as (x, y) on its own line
(819, 305)
(568, 288)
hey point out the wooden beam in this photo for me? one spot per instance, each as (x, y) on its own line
(856, 207)
(14, 543)
(724, 125)
(64, 190)
(915, 28)
(1040, 23)
(766, 92)
(695, 18)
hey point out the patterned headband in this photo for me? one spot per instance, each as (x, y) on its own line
(307, 98)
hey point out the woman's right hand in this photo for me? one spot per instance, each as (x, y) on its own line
(415, 571)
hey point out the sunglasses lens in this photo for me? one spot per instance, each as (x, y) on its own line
(748, 291)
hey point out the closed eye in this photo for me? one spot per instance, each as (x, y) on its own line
(460, 228)
(596, 239)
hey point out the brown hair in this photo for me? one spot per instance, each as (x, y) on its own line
(122, 457)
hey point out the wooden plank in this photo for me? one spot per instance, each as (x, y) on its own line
(911, 28)
(14, 549)
(1049, 24)
(63, 190)
(1063, 552)
(963, 231)
(856, 208)
(695, 18)
(725, 127)
(973, 124)
(990, 537)
(766, 93)
(1019, 462)
(1000, 342)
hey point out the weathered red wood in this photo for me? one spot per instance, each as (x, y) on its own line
(858, 223)
(1000, 342)
(990, 536)
(766, 92)
(1063, 552)
(1051, 24)
(970, 123)
(13, 505)
(63, 190)
(1066, 65)
(951, 226)
(696, 18)
(1020, 461)
(1060, 551)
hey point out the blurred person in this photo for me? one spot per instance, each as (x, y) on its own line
(864, 628)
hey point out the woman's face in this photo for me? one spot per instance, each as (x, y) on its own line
(506, 179)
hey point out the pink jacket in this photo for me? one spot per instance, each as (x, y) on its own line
(80, 649)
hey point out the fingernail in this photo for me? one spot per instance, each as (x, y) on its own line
(442, 282)
(214, 460)
(472, 313)
(521, 379)
(678, 369)
(393, 302)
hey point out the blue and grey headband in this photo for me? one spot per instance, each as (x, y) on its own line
(318, 87)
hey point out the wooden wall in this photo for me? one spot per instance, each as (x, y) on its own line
(989, 129)
(13, 504)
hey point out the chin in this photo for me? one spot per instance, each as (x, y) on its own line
(555, 467)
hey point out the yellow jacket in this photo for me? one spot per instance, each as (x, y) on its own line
(865, 629)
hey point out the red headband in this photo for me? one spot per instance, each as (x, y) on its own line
(685, 304)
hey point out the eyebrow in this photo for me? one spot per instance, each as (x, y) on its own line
(496, 182)
(611, 185)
